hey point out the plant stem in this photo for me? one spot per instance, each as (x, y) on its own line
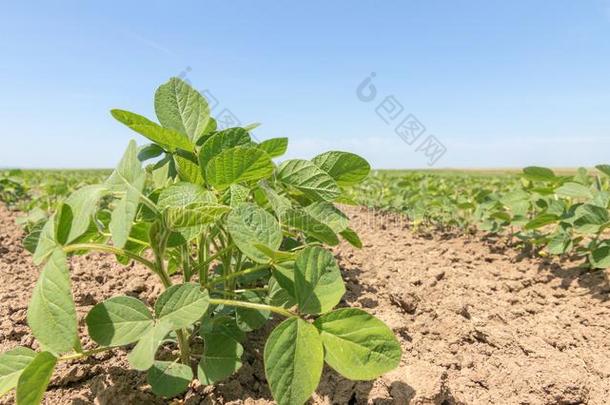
(252, 305)
(251, 270)
(109, 249)
(85, 353)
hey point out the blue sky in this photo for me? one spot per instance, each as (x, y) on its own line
(499, 84)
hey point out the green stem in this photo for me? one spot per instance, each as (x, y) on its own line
(109, 249)
(85, 353)
(253, 305)
(251, 270)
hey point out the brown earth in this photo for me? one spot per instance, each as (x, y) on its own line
(478, 323)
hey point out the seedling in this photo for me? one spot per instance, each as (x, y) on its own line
(235, 239)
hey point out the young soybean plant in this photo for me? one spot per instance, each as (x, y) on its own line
(234, 239)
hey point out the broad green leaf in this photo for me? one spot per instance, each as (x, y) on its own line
(300, 220)
(142, 357)
(221, 141)
(35, 378)
(539, 173)
(280, 297)
(542, 220)
(352, 238)
(306, 177)
(249, 226)
(188, 168)
(190, 221)
(63, 222)
(180, 107)
(51, 312)
(12, 364)
(149, 151)
(328, 214)
(589, 218)
(278, 202)
(119, 321)
(46, 241)
(294, 358)
(559, 244)
(239, 194)
(84, 202)
(221, 358)
(128, 177)
(169, 378)
(251, 319)
(237, 165)
(165, 137)
(30, 242)
(182, 304)
(358, 345)
(574, 190)
(222, 325)
(317, 281)
(346, 168)
(274, 147)
(604, 169)
(600, 257)
(184, 194)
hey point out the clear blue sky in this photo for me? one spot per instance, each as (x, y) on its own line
(499, 83)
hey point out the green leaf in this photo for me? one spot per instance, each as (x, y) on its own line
(63, 222)
(293, 361)
(188, 167)
(149, 151)
(169, 378)
(167, 138)
(221, 358)
(328, 214)
(12, 363)
(182, 108)
(279, 296)
(251, 319)
(35, 378)
(249, 226)
(222, 325)
(238, 194)
(119, 321)
(306, 177)
(600, 257)
(51, 312)
(302, 221)
(142, 357)
(182, 304)
(237, 165)
(605, 169)
(589, 218)
(184, 194)
(30, 242)
(539, 173)
(352, 238)
(221, 141)
(574, 190)
(278, 202)
(190, 221)
(541, 220)
(358, 345)
(128, 177)
(317, 280)
(274, 147)
(84, 202)
(346, 168)
(46, 241)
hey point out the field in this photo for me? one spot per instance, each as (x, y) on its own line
(203, 269)
(482, 315)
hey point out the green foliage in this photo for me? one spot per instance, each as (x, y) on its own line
(235, 240)
(541, 211)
